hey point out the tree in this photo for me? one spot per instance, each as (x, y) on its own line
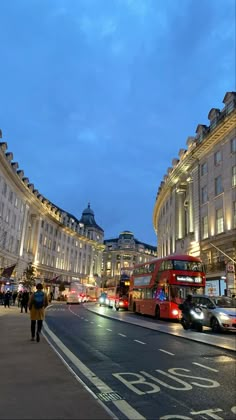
(29, 276)
(62, 287)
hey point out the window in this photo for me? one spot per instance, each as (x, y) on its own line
(233, 145)
(234, 214)
(219, 221)
(1, 209)
(234, 176)
(204, 169)
(8, 215)
(205, 227)
(204, 194)
(218, 185)
(13, 223)
(10, 196)
(4, 189)
(218, 157)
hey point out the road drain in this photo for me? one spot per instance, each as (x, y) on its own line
(109, 396)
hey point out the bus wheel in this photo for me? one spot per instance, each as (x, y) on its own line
(157, 312)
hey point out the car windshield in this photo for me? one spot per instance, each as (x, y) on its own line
(224, 302)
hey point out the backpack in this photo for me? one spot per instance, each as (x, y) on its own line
(38, 300)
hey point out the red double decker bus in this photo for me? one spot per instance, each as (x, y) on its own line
(159, 286)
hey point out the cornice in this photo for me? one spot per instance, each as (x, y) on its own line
(33, 198)
(202, 148)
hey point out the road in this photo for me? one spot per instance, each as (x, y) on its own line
(141, 373)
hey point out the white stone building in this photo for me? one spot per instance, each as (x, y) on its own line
(34, 230)
(195, 208)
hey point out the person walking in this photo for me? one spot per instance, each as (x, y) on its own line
(7, 298)
(37, 304)
(24, 301)
(14, 296)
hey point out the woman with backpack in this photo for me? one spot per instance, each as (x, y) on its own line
(37, 304)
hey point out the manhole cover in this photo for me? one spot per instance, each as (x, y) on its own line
(109, 396)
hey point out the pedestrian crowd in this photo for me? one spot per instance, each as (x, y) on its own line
(34, 302)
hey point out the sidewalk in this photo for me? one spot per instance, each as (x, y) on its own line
(34, 383)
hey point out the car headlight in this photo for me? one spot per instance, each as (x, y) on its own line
(101, 300)
(224, 316)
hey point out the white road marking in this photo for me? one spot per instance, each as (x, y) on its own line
(91, 322)
(205, 367)
(74, 313)
(140, 342)
(108, 329)
(122, 335)
(99, 325)
(122, 405)
(167, 352)
(86, 319)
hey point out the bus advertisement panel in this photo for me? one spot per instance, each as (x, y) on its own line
(159, 286)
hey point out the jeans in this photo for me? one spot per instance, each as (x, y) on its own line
(24, 306)
(33, 326)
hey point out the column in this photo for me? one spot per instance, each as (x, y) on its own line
(190, 207)
(180, 212)
(23, 234)
(37, 241)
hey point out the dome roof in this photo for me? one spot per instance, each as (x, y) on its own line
(88, 218)
(88, 211)
(126, 235)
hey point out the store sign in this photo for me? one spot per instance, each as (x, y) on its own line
(230, 280)
(230, 267)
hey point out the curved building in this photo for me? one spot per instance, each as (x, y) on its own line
(33, 230)
(195, 208)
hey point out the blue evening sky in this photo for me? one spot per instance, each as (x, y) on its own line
(98, 96)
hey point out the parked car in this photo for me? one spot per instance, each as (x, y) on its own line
(219, 312)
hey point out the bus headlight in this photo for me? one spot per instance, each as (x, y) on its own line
(175, 312)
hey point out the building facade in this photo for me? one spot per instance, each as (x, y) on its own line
(35, 231)
(122, 254)
(195, 208)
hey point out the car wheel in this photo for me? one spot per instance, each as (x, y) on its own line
(215, 326)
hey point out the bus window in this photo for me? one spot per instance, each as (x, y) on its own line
(148, 294)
